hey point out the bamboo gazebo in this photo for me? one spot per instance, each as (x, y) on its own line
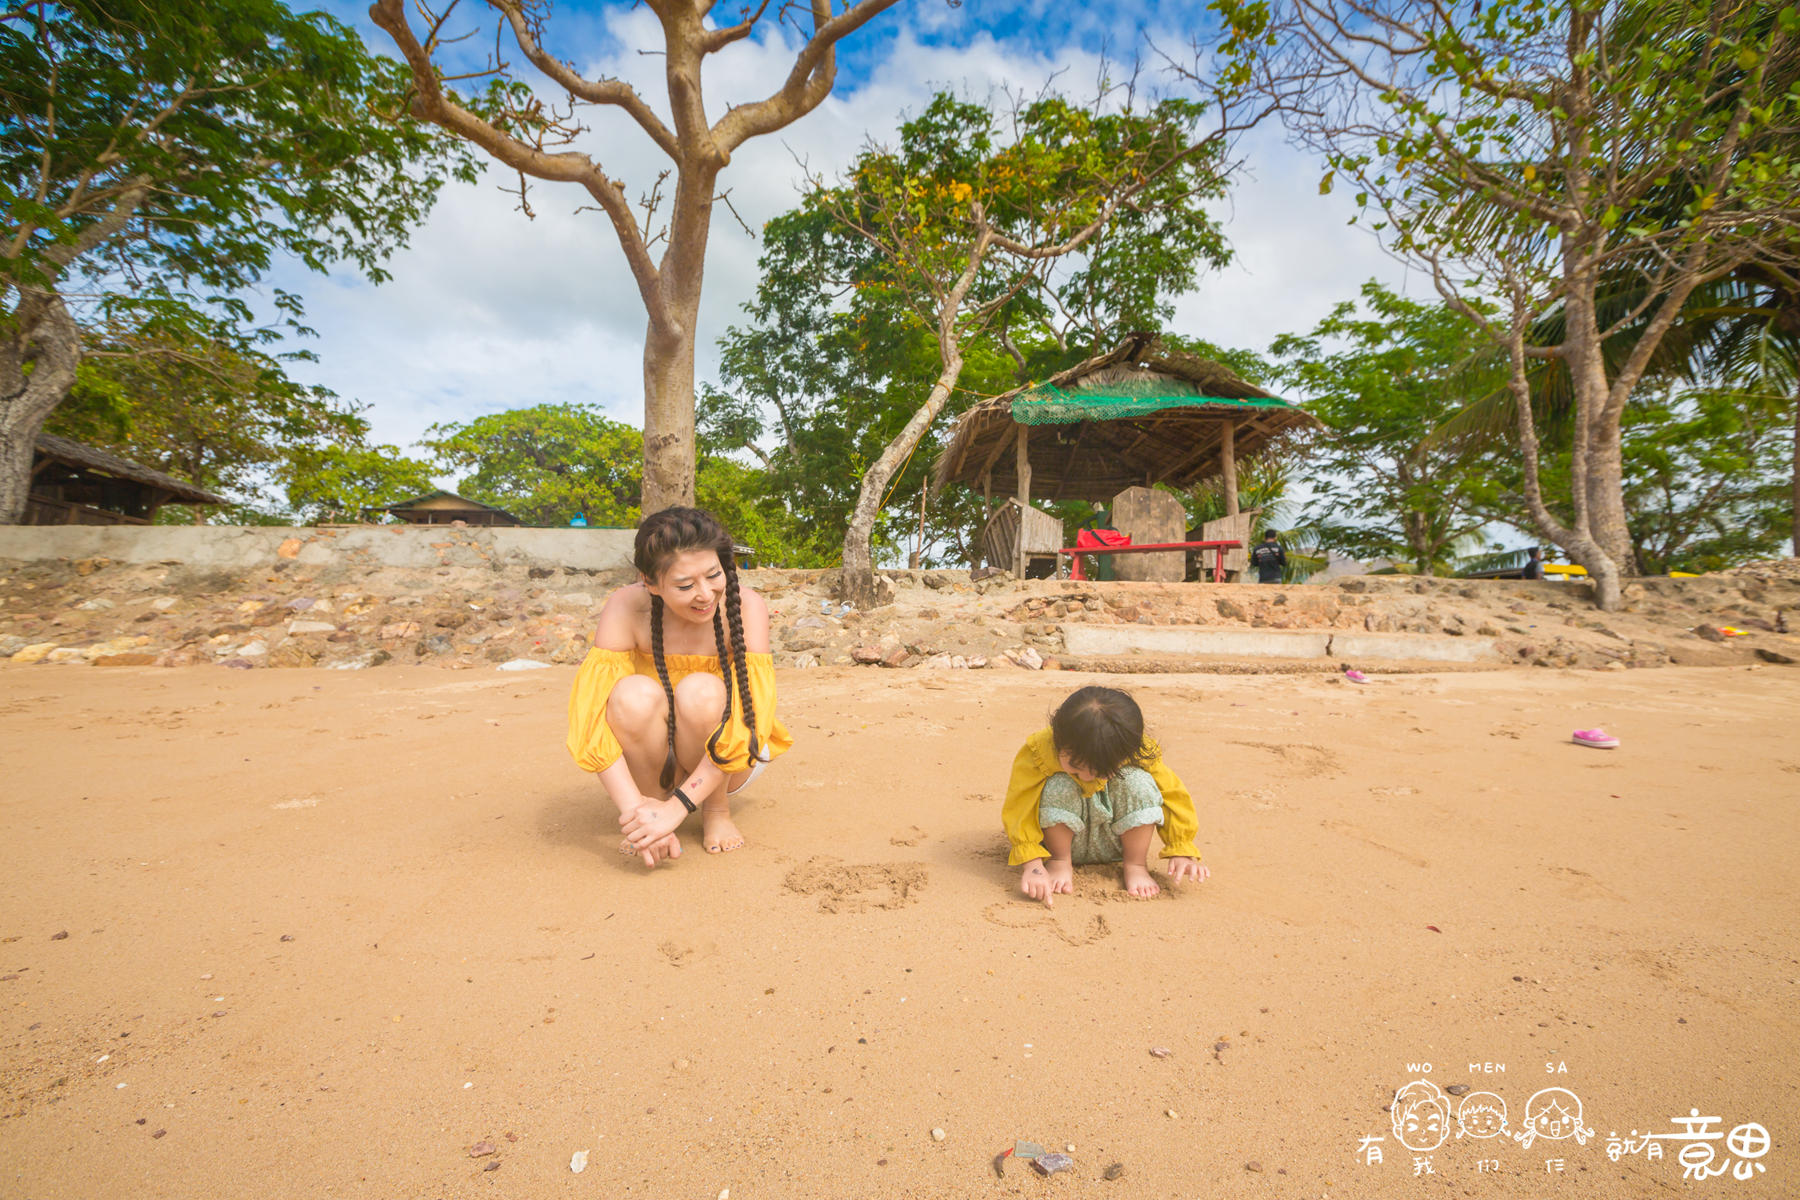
(1138, 415)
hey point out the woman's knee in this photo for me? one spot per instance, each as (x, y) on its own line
(637, 702)
(699, 701)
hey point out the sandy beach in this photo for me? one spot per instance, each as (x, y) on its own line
(314, 933)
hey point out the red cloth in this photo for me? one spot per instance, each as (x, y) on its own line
(1095, 539)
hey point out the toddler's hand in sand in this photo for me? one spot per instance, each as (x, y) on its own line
(651, 821)
(1186, 868)
(1039, 883)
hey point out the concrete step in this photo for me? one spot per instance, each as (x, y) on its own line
(1340, 646)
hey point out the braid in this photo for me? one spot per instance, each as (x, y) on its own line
(670, 766)
(712, 743)
(734, 613)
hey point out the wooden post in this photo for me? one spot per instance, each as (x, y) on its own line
(1022, 460)
(1228, 465)
(987, 493)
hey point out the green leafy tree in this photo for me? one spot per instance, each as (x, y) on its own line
(1535, 157)
(159, 155)
(342, 482)
(221, 417)
(1383, 381)
(546, 463)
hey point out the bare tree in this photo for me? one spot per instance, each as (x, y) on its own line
(1598, 161)
(525, 134)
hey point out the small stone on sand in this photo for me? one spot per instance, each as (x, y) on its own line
(1160, 1052)
(1116, 1171)
(1050, 1164)
(938, 1135)
(1253, 1166)
(578, 1161)
(482, 1149)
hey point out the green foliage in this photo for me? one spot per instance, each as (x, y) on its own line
(546, 463)
(171, 149)
(219, 416)
(842, 344)
(341, 482)
(1382, 383)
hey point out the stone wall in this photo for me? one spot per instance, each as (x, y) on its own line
(238, 547)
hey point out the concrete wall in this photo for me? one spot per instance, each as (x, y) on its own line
(240, 547)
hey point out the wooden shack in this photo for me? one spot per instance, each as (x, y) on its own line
(76, 484)
(446, 508)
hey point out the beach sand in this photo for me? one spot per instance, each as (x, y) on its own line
(327, 931)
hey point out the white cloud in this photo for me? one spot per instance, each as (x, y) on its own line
(488, 311)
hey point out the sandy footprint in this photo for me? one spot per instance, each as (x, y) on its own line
(912, 837)
(1305, 758)
(857, 887)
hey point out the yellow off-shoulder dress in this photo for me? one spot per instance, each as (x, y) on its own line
(595, 748)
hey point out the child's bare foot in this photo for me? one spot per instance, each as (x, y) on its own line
(717, 831)
(1062, 875)
(1139, 882)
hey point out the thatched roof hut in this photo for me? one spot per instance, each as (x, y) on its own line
(1138, 414)
(445, 508)
(76, 484)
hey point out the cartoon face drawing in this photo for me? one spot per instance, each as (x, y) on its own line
(1421, 1116)
(1555, 1114)
(1482, 1115)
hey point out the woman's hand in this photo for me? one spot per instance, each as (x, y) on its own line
(1181, 868)
(651, 822)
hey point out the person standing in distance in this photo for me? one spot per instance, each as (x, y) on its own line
(1268, 558)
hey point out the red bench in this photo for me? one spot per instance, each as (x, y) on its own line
(1218, 546)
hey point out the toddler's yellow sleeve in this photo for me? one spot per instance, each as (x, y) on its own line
(1180, 822)
(591, 742)
(1019, 814)
(732, 751)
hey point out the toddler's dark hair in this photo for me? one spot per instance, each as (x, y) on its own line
(1101, 728)
(660, 537)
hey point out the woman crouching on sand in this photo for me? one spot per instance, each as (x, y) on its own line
(674, 707)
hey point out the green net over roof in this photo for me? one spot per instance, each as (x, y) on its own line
(1048, 404)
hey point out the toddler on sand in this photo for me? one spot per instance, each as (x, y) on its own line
(1089, 788)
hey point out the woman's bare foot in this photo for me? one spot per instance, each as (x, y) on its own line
(718, 833)
(1139, 882)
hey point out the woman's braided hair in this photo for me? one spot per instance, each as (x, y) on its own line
(660, 538)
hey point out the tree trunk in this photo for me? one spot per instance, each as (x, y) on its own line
(47, 341)
(668, 417)
(1606, 498)
(859, 570)
(1797, 476)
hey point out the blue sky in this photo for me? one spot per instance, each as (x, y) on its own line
(488, 310)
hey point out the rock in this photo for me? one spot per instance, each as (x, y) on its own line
(304, 627)
(36, 652)
(289, 548)
(1710, 632)
(244, 664)
(578, 1160)
(163, 603)
(978, 662)
(1160, 1052)
(301, 603)
(1253, 1165)
(522, 664)
(937, 662)
(575, 600)
(866, 655)
(451, 620)
(1050, 1164)
(341, 636)
(125, 660)
(1231, 610)
(938, 1135)
(61, 936)
(1026, 657)
(369, 658)
(87, 566)
(399, 631)
(436, 644)
(482, 1149)
(97, 604)
(1458, 1089)
(935, 582)
(898, 657)
(11, 645)
(66, 654)
(493, 1166)
(803, 661)
(1773, 656)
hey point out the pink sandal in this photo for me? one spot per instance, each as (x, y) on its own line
(1599, 739)
(1355, 676)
